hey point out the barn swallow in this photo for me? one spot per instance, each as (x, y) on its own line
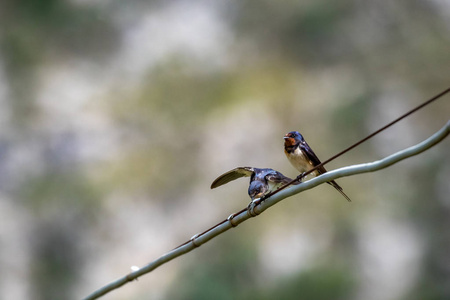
(303, 158)
(262, 181)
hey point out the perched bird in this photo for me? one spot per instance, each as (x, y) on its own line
(262, 181)
(303, 158)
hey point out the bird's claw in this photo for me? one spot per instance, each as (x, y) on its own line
(300, 177)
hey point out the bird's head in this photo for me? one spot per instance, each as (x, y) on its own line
(257, 189)
(292, 138)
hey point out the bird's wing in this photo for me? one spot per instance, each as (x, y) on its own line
(277, 177)
(311, 155)
(232, 175)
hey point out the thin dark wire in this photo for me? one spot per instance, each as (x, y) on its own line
(330, 159)
(357, 143)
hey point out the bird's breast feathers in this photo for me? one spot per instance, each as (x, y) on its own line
(299, 160)
(273, 185)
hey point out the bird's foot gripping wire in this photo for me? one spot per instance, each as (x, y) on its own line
(300, 177)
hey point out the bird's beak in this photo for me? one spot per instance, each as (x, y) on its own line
(259, 195)
(285, 137)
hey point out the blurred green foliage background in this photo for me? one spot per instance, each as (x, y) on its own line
(116, 116)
